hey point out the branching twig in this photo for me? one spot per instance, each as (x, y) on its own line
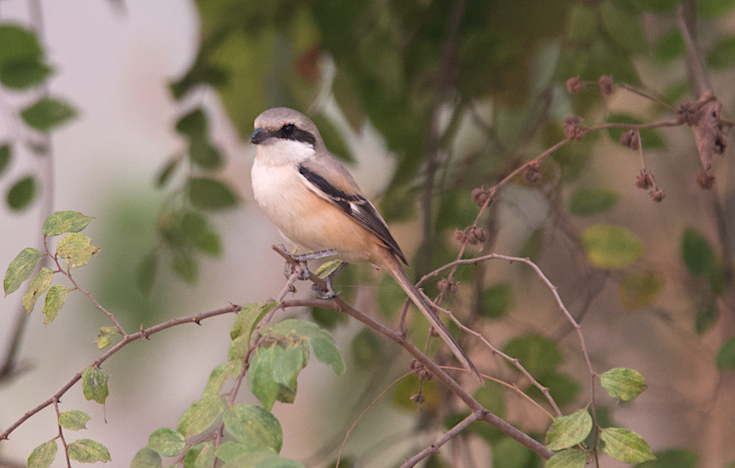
(449, 435)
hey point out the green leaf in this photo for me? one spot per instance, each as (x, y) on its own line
(508, 453)
(670, 46)
(146, 272)
(103, 340)
(705, 319)
(582, 24)
(726, 355)
(249, 317)
(43, 455)
(623, 383)
(568, 459)
(18, 43)
(88, 451)
(166, 442)
(74, 420)
(625, 446)
(589, 201)
(210, 194)
(186, 267)
(23, 74)
(37, 286)
(568, 431)
(200, 456)
(5, 156)
(20, 269)
(563, 387)
(624, 27)
(640, 290)
(611, 247)
(255, 427)
(278, 462)
(55, 298)
(146, 458)
(696, 252)
(195, 227)
(287, 364)
(723, 54)
(538, 355)
(496, 300)
(672, 458)
(94, 384)
(326, 352)
(167, 171)
(219, 376)
(260, 376)
(204, 155)
(76, 250)
(48, 113)
(492, 396)
(22, 193)
(193, 125)
(202, 414)
(230, 451)
(62, 222)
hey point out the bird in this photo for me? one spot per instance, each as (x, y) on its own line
(311, 197)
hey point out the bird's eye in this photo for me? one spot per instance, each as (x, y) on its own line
(288, 130)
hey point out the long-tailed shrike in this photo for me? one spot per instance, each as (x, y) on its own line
(309, 195)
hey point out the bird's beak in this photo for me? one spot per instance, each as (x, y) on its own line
(258, 136)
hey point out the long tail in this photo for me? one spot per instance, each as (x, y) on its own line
(399, 274)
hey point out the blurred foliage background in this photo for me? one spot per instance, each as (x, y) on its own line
(458, 94)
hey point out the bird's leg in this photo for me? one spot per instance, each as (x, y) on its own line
(301, 259)
(329, 292)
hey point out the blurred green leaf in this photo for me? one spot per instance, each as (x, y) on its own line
(705, 319)
(166, 442)
(196, 228)
(202, 414)
(675, 92)
(509, 453)
(146, 273)
(94, 384)
(20, 269)
(624, 27)
(568, 431)
(492, 397)
(563, 387)
(538, 355)
(365, 348)
(726, 355)
(605, 59)
(714, 8)
(19, 44)
(186, 268)
(37, 286)
(568, 459)
(204, 155)
(669, 46)
(22, 193)
(591, 201)
(146, 458)
(496, 300)
(672, 458)
(611, 246)
(623, 383)
(55, 298)
(696, 252)
(255, 427)
(640, 290)
(625, 446)
(88, 451)
(62, 222)
(409, 386)
(582, 23)
(23, 74)
(210, 194)
(48, 113)
(5, 156)
(43, 455)
(193, 125)
(722, 54)
(167, 171)
(73, 420)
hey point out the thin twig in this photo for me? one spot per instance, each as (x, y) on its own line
(449, 435)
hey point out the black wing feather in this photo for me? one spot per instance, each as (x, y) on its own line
(356, 207)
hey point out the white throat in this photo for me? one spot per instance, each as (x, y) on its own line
(277, 152)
